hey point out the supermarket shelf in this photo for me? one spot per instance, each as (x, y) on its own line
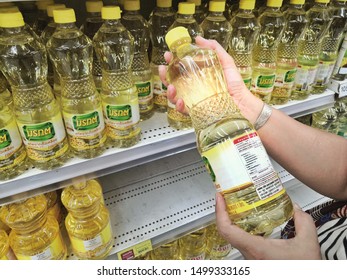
(158, 140)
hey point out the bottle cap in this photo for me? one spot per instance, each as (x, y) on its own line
(50, 8)
(247, 4)
(11, 19)
(132, 5)
(175, 34)
(9, 9)
(274, 3)
(216, 6)
(322, 1)
(6, 4)
(64, 15)
(196, 2)
(110, 12)
(185, 8)
(164, 3)
(42, 4)
(297, 2)
(94, 6)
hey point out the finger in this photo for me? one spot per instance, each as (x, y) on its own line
(181, 107)
(168, 57)
(162, 74)
(171, 94)
(304, 225)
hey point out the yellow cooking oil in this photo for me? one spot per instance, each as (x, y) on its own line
(34, 234)
(71, 52)
(53, 205)
(6, 252)
(114, 45)
(167, 251)
(231, 149)
(88, 221)
(216, 246)
(38, 116)
(5, 94)
(192, 246)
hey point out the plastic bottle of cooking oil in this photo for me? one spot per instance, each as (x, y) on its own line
(323, 119)
(52, 76)
(90, 26)
(227, 10)
(34, 234)
(192, 246)
(141, 70)
(53, 205)
(330, 45)
(87, 222)
(4, 227)
(42, 18)
(5, 94)
(13, 157)
(114, 45)
(309, 49)
(24, 63)
(6, 252)
(243, 33)
(295, 17)
(168, 251)
(255, 198)
(216, 246)
(199, 14)
(215, 26)
(341, 109)
(162, 18)
(71, 52)
(265, 50)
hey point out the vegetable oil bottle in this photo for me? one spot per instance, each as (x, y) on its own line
(162, 18)
(5, 94)
(341, 108)
(90, 26)
(199, 14)
(34, 234)
(6, 252)
(256, 199)
(216, 246)
(114, 45)
(42, 18)
(330, 45)
(324, 119)
(71, 52)
(244, 30)
(215, 26)
(295, 17)
(13, 157)
(52, 76)
(24, 63)
(168, 251)
(53, 206)
(309, 49)
(87, 222)
(265, 50)
(141, 70)
(192, 246)
(4, 227)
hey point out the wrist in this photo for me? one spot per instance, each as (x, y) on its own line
(251, 107)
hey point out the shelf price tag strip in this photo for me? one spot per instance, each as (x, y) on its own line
(135, 251)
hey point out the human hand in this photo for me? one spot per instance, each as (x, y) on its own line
(303, 246)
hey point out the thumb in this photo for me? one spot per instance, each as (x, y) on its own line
(304, 224)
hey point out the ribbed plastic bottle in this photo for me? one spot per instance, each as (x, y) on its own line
(13, 157)
(141, 70)
(295, 23)
(3, 226)
(6, 252)
(255, 197)
(200, 13)
(215, 26)
(53, 205)
(168, 251)
(244, 30)
(24, 63)
(341, 109)
(42, 18)
(34, 234)
(309, 49)
(330, 45)
(52, 76)
(88, 221)
(217, 247)
(325, 119)
(192, 246)
(5, 94)
(265, 50)
(71, 53)
(114, 45)
(91, 25)
(162, 18)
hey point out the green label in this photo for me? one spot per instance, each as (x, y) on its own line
(163, 86)
(119, 113)
(289, 77)
(143, 89)
(86, 122)
(248, 82)
(209, 168)
(5, 139)
(266, 81)
(39, 132)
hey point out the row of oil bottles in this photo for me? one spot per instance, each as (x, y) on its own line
(33, 229)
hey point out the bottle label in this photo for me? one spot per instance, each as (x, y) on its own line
(220, 250)
(198, 257)
(159, 91)
(122, 116)
(250, 165)
(324, 71)
(85, 130)
(145, 94)
(304, 77)
(98, 241)
(54, 251)
(41, 138)
(264, 84)
(285, 78)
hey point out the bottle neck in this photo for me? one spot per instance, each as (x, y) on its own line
(245, 11)
(131, 13)
(320, 5)
(4, 32)
(295, 6)
(273, 9)
(31, 226)
(185, 17)
(215, 14)
(93, 14)
(69, 25)
(87, 212)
